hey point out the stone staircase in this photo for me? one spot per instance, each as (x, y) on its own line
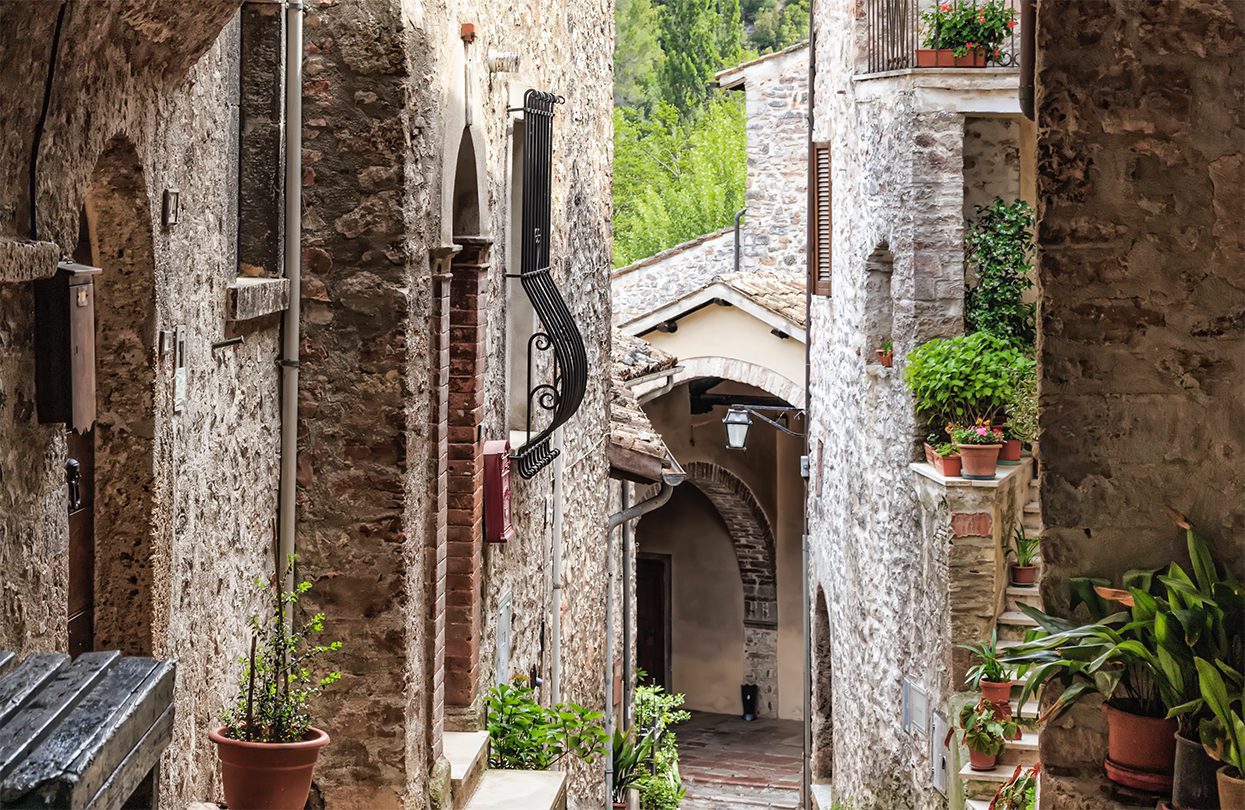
(981, 786)
(474, 786)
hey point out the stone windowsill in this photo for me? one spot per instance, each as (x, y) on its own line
(878, 371)
(1004, 473)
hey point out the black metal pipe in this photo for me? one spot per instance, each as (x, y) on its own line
(1028, 55)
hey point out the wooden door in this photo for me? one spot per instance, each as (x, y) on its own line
(652, 607)
(80, 497)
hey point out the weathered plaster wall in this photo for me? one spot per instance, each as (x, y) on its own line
(1141, 118)
(386, 110)
(125, 74)
(992, 165)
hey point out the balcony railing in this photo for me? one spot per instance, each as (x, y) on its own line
(894, 31)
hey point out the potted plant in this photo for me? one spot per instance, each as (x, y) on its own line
(1020, 791)
(1139, 652)
(993, 677)
(1010, 453)
(956, 380)
(630, 757)
(999, 248)
(886, 354)
(656, 714)
(1023, 570)
(1223, 733)
(979, 447)
(986, 733)
(267, 746)
(960, 34)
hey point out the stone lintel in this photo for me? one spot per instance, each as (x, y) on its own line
(22, 260)
(250, 298)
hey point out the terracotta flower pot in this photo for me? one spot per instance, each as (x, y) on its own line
(1143, 747)
(981, 762)
(267, 776)
(947, 466)
(979, 461)
(1010, 454)
(1024, 574)
(945, 57)
(887, 359)
(930, 455)
(1231, 788)
(1000, 694)
(1193, 780)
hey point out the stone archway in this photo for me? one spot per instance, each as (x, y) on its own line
(823, 707)
(753, 538)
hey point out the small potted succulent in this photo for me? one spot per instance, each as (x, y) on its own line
(1020, 791)
(964, 35)
(1025, 551)
(979, 447)
(886, 354)
(267, 746)
(994, 678)
(986, 733)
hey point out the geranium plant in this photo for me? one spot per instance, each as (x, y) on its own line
(966, 27)
(977, 434)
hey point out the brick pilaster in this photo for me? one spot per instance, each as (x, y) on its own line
(465, 481)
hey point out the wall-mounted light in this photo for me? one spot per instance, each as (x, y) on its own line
(737, 423)
(171, 213)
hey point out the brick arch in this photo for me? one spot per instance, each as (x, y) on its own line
(751, 533)
(753, 538)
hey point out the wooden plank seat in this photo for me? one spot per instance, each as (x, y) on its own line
(81, 733)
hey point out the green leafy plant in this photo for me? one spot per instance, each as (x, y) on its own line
(1140, 647)
(965, 27)
(1022, 407)
(656, 713)
(1022, 547)
(988, 666)
(946, 450)
(630, 756)
(999, 246)
(986, 731)
(977, 434)
(277, 683)
(525, 735)
(1223, 732)
(964, 378)
(1020, 791)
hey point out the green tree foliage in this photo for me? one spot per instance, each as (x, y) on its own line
(675, 180)
(689, 38)
(779, 25)
(730, 33)
(638, 56)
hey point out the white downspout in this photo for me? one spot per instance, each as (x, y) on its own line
(293, 273)
(555, 618)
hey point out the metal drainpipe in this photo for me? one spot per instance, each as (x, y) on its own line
(806, 781)
(628, 629)
(555, 618)
(738, 217)
(293, 273)
(669, 480)
(1028, 46)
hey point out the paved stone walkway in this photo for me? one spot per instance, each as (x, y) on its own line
(728, 763)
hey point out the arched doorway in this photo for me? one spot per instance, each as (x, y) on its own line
(119, 454)
(823, 714)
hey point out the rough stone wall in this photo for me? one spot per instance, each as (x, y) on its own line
(670, 275)
(898, 187)
(774, 228)
(991, 162)
(1141, 118)
(164, 80)
(386, 104)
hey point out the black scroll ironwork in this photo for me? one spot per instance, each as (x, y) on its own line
(562, 394)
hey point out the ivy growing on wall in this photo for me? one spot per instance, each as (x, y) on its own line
(999, 246)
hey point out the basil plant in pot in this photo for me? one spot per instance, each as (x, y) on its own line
(267, 746)
(1139, 652)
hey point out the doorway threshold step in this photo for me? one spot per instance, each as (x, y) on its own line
(530, 790)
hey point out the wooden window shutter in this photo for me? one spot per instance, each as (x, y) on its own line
(819, 218)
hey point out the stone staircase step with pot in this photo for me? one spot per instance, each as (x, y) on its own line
(1018, 595)
(467, 753)
(530, 790)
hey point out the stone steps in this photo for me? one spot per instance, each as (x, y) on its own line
(467, 753)
(1018, 595)
(530, 790)
(984, 784)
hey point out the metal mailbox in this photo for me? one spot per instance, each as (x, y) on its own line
(497, 527)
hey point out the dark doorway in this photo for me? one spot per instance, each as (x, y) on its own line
(652, 608)
(80, 488)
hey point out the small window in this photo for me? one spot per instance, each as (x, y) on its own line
(819, 219)
(521, 320)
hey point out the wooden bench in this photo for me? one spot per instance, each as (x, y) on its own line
(81, 733)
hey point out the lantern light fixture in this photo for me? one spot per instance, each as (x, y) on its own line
(737, 423)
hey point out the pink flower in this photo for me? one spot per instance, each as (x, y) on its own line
(972, 45)
(1011, 23)
(983, 431)
(944, 7)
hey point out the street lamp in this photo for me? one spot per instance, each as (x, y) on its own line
(737, 423)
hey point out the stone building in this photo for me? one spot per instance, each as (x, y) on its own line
(157, 157)
(1134, 165)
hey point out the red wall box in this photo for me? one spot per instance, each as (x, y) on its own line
(497, 528)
